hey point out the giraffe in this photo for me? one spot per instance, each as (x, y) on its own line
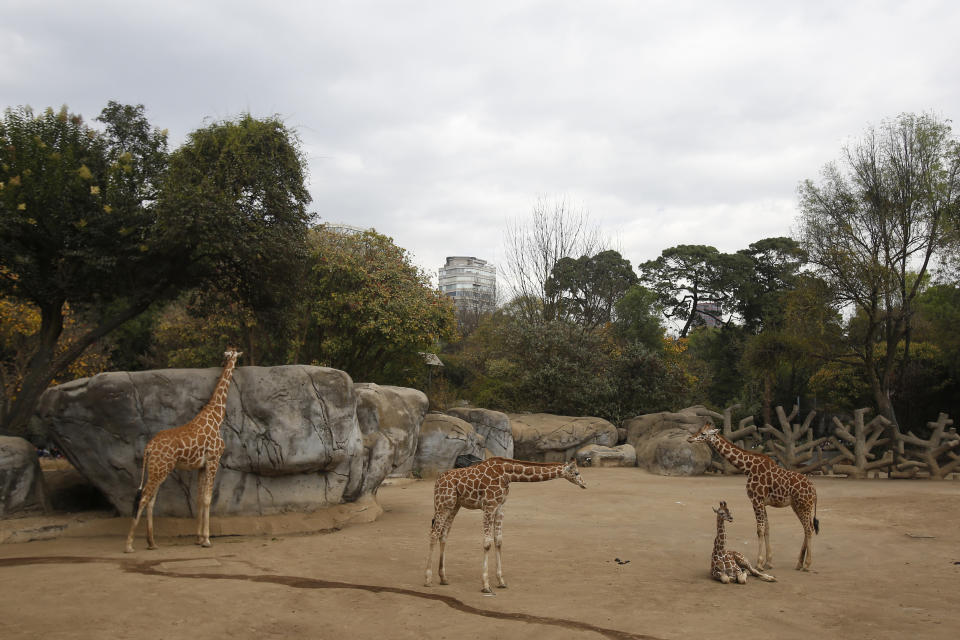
(728, 566)
(485, 486)
(194, 445)
(769, 484)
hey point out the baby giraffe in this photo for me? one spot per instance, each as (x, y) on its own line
(728, 566)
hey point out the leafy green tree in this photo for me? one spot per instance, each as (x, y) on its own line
(74, 233)
(372, 312)
(776, 264)
(841, 387)
(871, 228)
(514, 364)
(587, 289)
(638, 319)
(236, 197)
(715, 353)
(100, 223)
(695, 279)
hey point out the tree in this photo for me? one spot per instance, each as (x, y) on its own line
(73, 232)
(554, 231)
(236, 197)
(97, 222)
(587, 289)
(638, 318)
(872, 227)
(776, 263)
(692, 281)
(372, 312)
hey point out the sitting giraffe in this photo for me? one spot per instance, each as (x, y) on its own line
(194, 445)
(485, 486)
(727, 566)
(769, 484)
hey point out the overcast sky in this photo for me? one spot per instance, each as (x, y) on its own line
(438, 123)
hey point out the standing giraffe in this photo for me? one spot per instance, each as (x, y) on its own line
(729, 565)
(769, 484)
(194, 445)
(485, 486)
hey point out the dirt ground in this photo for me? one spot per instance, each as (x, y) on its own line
(885, 565)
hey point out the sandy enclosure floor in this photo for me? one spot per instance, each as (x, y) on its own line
(885, 565)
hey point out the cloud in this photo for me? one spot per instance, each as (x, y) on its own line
(436, 123)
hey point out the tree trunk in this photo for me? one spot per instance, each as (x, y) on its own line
(39, 373)
(767, 398)
(46, 364)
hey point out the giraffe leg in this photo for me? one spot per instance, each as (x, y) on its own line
(742, 562)
(724, 578)
(488, 518)
(144, 499)
(444, 532)
(156, 474)
(741, 577)
(436, 531)
(764, 557)
(201, 489)
(498, 541)
(210, 471)
(806, 551)
(151, 544)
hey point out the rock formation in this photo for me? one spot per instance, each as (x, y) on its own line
(660, 440)
(293, 441)
(595, 455)
(390, 419)
(442, 439)
(21, 482)
(493, 426)
(543, 437)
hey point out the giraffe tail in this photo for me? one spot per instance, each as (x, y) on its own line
(816, 523)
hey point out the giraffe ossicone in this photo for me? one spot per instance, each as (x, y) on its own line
(194, 445)
(485, 486)
(769, 484)
(729, 565)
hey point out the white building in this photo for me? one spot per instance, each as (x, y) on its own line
(471, 282)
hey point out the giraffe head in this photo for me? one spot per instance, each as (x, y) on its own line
(571, 473)
(723, 512)
(706, 433)
(232, 354)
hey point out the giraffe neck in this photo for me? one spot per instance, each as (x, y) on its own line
(734, 454)
(518, 471)
(720, 542)
(217, 405)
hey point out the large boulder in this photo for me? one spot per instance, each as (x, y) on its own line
(649, 424)
(493, 426)
(595, 455)
(21, 481)
(442, 439)
(660, 440)
(292, 437)
(543, 437)
(390, 419)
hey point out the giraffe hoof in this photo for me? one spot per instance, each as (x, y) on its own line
(206, 544)
(502, 586)
(444, 581)
(486, 590)
(152, 547)
(128, 550)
